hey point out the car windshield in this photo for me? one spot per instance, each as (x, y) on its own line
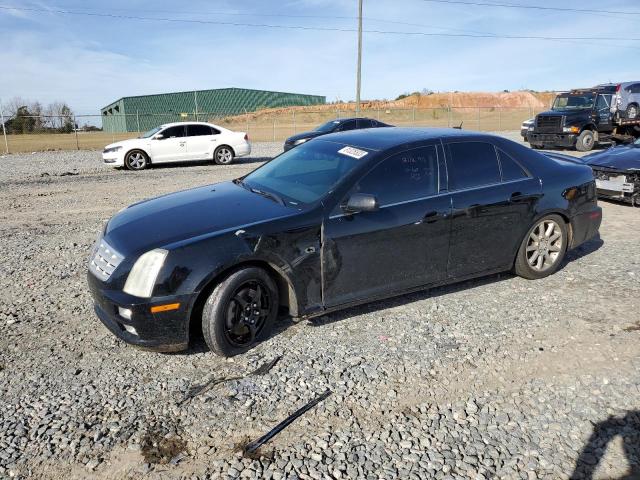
(327, 127)
(306, 173)
(574, 102)
(151, 132)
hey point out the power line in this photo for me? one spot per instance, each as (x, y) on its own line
(531, 7)
(307, 28)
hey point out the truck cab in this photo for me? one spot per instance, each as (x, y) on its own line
(578, 119)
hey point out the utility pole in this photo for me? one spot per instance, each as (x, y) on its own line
(4, 131)
(359, 57)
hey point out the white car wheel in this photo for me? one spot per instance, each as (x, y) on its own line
(223, 155)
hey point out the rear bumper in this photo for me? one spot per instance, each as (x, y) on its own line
(585, 226)
(552, 139)
(165, 331)
(242, 149)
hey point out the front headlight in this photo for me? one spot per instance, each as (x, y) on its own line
(112, 149)
(571, 129)
(144, 273)
(300, 141)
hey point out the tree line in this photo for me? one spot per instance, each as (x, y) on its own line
(23, 116)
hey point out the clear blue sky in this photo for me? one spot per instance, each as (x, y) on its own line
(90, 61)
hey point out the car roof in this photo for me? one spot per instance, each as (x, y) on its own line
(384, 138)
(341, 120)
(173, 124)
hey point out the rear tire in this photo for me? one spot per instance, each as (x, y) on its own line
(632, 111)
(240, 311)
(136, 160)
(542, 249)
(223, 155)
(586, 141)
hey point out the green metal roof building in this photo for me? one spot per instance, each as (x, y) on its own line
(141, 113)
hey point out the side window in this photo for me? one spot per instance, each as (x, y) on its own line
(349, 125)
(364, 123)
(402, 177)
(635, 88)
(602, 103)
(511, 170)
(173, 132)
(472, 164)
(198, 130)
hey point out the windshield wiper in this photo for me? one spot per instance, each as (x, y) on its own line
(270, 195)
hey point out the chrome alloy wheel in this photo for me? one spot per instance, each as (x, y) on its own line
(544, 245)
(137, 160)
(224, 155)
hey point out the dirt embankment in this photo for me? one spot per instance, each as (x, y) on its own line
(521, 99)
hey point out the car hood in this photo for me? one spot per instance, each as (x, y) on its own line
(123, 143)
(300, 136)
(184, 215)
(626, 157)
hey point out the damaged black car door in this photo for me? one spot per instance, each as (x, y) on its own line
(390, 232)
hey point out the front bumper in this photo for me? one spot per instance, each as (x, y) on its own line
(164, 331)
(552, 139)
(114, 159)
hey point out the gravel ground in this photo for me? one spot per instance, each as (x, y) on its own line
(492, 378)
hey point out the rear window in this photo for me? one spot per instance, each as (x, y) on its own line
(472, 164)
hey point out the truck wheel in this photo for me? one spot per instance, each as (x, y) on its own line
(632, 111)
(586, 141)
(240, 311)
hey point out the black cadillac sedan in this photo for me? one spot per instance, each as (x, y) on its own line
(341, 220)
(333, 126)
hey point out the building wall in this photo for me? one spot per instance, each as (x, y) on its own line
(141, 113)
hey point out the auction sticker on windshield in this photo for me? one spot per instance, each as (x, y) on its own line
(352, 152)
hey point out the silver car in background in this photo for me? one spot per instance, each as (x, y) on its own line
(626, 101)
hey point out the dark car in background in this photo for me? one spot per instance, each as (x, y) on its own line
(343, 220)
(333, 126)
(617, 172)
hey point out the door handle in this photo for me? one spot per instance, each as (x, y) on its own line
(432, 217)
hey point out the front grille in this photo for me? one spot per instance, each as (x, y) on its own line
(549, 124)
(104, 260)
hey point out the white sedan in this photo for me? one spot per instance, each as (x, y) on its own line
(178, 142)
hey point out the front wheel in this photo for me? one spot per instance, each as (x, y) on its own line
(223, 155)
(542, 249)
(586, 140)
(136, 160)
(240, 311)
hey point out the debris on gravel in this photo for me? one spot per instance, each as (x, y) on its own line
(497, 377)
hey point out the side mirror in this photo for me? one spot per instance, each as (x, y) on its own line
(159, 136)
(361, 202)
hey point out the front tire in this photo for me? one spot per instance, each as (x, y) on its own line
(223, 155)
(586, 141)
(136, 160)
(240, 311)
(542, 249)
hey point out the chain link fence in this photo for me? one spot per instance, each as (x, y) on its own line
(90, 132)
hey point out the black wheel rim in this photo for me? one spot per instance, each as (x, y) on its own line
(246, 313)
